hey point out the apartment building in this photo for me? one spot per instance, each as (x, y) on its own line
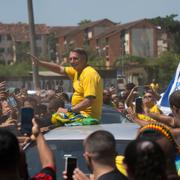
(14, 36)
(139, 38)
(82, 35)
(110, 40)
(57, 48)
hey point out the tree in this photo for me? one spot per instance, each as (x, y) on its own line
(167, 64)
(161, 68)
(52, 41)
(171, 26)
(93, 58)
(21, 49)
(84, 22)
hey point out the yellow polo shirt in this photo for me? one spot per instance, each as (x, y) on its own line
(88, 83)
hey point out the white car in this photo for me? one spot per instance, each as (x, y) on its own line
(68, 140)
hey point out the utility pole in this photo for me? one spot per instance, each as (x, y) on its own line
(33, 44)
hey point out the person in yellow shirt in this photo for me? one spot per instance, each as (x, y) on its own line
(87, 98)
(149, 106)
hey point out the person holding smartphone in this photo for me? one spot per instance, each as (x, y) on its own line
(149, 105)
(99, 153)
(11, 156)
(142, 106)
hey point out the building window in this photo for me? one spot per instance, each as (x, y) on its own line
(90, 35)
(9, 37)
(2, 50)
(38, 37)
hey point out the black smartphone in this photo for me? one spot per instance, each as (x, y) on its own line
(70, 165)
(26, 115)
(11, 101)
(139, 105)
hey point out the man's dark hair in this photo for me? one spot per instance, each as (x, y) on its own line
(102, 145)
(9, 151)
(81, 52)
(174, 99)
(145, 160)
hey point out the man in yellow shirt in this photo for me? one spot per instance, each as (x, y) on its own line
(87, 84)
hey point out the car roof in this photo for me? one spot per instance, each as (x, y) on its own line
(121, 131)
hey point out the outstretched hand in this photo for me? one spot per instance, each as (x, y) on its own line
(35, 130)
(35, 60)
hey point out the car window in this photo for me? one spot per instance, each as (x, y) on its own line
(111, 115)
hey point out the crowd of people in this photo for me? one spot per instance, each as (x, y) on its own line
(154, 154)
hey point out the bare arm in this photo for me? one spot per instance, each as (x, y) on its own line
(83, 104)
(175, 132)
(45, 153)
(80, 106)
(51, 66)
(133, 117)
(140, 122)
(162, 118)
(129, 100)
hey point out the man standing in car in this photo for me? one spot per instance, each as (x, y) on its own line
(87, 84)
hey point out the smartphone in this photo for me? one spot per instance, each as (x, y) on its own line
(139, 105)
(11, 101)
(70, 165)
(26, 115)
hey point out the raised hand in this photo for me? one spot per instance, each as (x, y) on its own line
(35, 60)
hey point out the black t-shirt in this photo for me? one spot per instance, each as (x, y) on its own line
(113, 175)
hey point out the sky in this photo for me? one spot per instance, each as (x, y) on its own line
(71, 12)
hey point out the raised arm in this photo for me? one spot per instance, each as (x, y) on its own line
(45, 153)
(168, 120)
(129, 100)
(51, 66)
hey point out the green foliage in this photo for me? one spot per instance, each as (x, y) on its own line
(172, 26)
(52, 41)
(167, 64)
(176, 42)
(20, 69)
(84, 22)
(161, 68)
(128, 59)
(168, 23)
(93, 58)
(21, 49)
